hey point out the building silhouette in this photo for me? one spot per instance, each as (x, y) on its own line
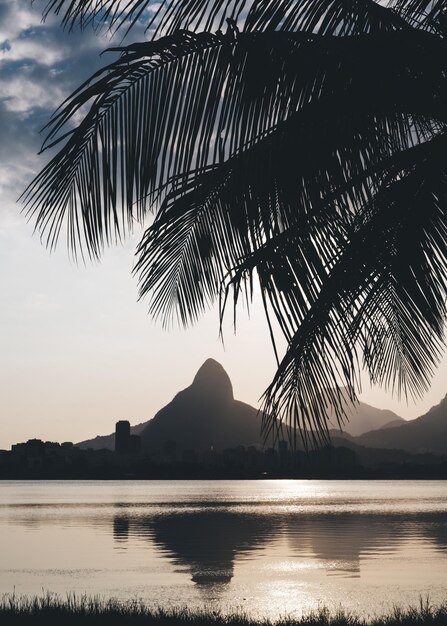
(124, 441)
(122, 436)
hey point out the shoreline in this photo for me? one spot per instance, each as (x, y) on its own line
(242, 477)
(176, 473)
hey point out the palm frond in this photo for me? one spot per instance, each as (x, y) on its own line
(296, 178)
(183, 254)
(128, 143)
(189, 101)
(422, 14)
(384, 298)
(333, 17)
(216, 217)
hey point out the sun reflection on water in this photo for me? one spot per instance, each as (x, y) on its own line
(268, 547)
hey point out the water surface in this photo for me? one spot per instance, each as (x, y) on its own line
(265, 547)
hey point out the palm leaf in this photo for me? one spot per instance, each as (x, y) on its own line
(313, 16)
(284, 183)
(423, 14)
(187, 101)
(384, 297)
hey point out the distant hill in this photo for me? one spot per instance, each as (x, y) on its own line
(379, 456)
(427, 433)
(107, 441)
(392, 424)
(362, 418)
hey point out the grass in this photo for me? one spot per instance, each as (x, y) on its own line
(50, 609)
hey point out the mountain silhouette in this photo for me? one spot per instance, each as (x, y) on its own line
(204, 416)
(392, 424)
(427, 433)
(361, 418)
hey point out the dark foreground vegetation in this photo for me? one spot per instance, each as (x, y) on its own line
(75, 610)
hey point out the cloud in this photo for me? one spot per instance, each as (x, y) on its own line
(40, 65)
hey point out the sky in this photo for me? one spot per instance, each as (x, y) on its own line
(77, 349)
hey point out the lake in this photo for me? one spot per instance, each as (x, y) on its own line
(268, 548)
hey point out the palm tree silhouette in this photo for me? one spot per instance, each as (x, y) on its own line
(298, 143)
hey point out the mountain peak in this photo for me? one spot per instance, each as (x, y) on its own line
(203, 416)
(213, 379)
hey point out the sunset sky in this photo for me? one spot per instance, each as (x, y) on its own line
(78, 352)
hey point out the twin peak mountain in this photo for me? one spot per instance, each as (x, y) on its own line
(202, 416)
(206, 415)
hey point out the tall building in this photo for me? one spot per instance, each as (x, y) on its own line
(122, 436)
(124, 441)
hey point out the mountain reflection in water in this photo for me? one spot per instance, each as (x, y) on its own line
(207, 544)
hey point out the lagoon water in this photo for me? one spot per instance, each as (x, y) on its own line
(268, 548)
